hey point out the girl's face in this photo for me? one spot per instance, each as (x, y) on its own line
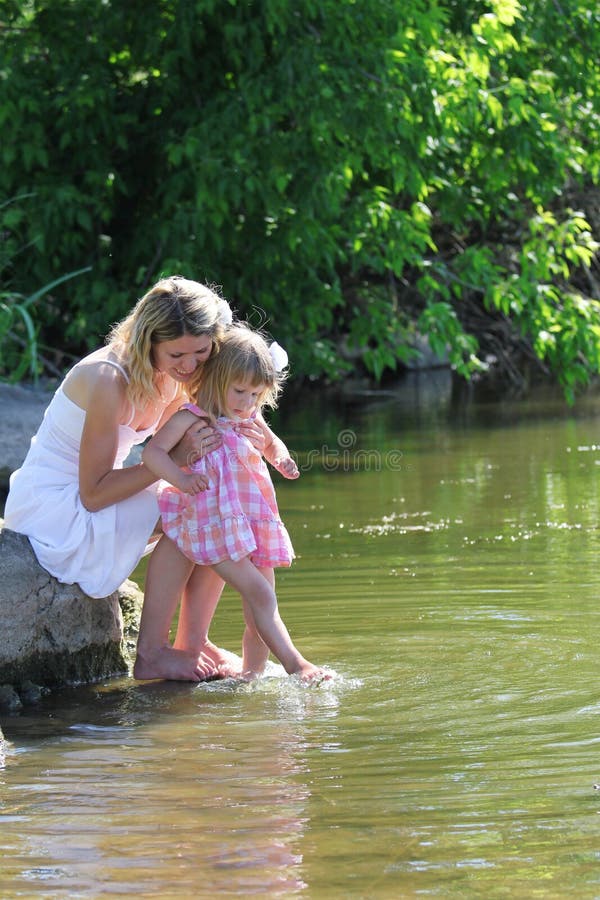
(181, 357)
(242, 398)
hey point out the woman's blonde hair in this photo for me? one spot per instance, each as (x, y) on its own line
(243, 356)
(172, 308)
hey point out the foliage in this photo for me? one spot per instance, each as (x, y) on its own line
(351, 173)
(19, 349)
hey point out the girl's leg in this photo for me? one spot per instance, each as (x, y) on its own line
(262, 603)
(200, 598)
(255, 651)
(168, 572)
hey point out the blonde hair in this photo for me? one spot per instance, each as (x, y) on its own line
(172, 308)
(243, 356)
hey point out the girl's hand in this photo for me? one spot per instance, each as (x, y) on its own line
(192, 483)
(199, 439)
(287, 467)
(255, 434)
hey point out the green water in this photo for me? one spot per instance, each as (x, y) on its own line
(447, 573)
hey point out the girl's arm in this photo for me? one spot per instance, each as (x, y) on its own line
(199, 439)
(276, 452)
(156, 452)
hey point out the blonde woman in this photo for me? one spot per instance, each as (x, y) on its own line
(88, 518)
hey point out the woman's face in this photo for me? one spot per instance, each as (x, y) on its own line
(181, 357)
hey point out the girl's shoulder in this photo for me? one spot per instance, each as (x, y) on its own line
(193, 408)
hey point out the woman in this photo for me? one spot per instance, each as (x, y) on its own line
(89, 519)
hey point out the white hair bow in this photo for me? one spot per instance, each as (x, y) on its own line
(224, 314)
(279, 356)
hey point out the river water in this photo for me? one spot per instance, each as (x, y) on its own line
(447, 572)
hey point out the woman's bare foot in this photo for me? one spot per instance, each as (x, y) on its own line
(174, 665)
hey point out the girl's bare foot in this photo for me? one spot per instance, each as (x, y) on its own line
(311, 674)
(241, 674)
(173, 665)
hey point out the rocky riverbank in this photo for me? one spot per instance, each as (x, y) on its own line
(21, 411)
(53, 634)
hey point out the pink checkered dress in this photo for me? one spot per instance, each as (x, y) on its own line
(237, 516)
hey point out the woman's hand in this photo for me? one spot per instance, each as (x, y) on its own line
(255, 434)
(198, 440)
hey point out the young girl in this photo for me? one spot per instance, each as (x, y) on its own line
(223, 512)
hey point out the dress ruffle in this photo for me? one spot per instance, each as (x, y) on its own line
(234, 537)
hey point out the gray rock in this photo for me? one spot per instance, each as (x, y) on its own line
(9, 699)
(21, 411)
(30, 693)
(53, 633)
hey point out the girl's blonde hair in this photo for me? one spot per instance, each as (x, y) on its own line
(243, 356)
(172, 308)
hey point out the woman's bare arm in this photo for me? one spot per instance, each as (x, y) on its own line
(100, 484)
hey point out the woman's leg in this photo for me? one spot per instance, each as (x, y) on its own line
(200, 599)
(168, 572)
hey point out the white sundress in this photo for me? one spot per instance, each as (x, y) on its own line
(97, 550)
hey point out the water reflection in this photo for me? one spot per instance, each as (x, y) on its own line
(178, 788)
